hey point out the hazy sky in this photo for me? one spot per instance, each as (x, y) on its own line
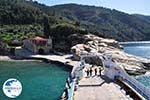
(128, 6)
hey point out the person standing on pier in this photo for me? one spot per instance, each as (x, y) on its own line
(100, 71)
(90, 71)
(95, 71)
(87, 72)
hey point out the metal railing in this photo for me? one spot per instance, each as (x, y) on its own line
(75, 75)
(136, 85)
(131, 81)
(71, 89)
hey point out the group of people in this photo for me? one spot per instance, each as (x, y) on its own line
(90, 71)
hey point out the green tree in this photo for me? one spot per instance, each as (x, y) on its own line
(77, 23)
(46, 26)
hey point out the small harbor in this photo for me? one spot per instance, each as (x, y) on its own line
(113, 83)
(40, 80)
(78, 85)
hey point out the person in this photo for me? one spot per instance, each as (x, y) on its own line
(95, 71)
(100, 70)
(87, 72)
(90, 71)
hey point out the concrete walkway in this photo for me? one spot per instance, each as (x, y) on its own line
(99, 88)
(62, 59)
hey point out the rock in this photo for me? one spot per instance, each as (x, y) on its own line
(147, 65)
(78, 50)
(102, 44)
(132, 64)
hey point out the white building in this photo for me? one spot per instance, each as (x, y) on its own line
(38, 45)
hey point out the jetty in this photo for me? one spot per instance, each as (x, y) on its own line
(99, 88)
(113, 84)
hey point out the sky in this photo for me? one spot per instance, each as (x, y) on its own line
(128, 6)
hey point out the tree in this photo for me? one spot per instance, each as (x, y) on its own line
(77, 23)
(46, 26)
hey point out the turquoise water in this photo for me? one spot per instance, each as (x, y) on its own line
(140, 49)
(144, 80)
(40, 81)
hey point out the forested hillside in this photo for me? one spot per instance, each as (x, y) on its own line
(143, 17)
(113, 23)
(21, 19)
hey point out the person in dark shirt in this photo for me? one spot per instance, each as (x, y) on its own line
(100, 71)
(91, 71)
(95, 71)
(87, 72)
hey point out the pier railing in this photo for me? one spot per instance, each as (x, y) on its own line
(76, 74)
(139, 88)
(71, 89)
(136, 85)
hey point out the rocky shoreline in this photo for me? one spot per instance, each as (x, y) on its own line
(133, 65)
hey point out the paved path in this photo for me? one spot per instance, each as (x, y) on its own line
(63, 59)
(99, 88)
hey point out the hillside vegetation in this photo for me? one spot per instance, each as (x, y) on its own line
(114, 24)
(143, 17)
(21, 19)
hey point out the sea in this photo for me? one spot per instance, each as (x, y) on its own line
(141, 49)
(40, 80)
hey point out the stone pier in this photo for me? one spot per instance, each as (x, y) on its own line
(99, 88)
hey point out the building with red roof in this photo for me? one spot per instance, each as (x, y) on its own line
(38, 45)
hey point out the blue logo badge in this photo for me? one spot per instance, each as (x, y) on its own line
(12, 88)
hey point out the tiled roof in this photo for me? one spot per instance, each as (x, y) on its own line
(38, 38)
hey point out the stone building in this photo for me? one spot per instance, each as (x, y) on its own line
(38, 45)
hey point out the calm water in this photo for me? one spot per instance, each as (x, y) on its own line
(144, 80)
(140, 49)
(40, 81)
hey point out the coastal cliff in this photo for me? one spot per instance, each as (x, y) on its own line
(132, 64)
